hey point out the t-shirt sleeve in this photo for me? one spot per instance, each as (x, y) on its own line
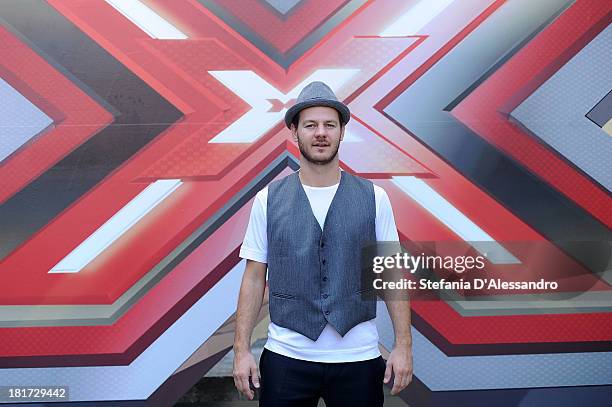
(386, 231)
(255, 244)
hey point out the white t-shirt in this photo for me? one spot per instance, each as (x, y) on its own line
(361, 342)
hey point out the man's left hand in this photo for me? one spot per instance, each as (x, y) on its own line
(400, 364)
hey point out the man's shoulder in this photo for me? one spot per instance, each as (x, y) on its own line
(379, 191)
(277, 187)
(359, 180)
(277, 183)
(383, 203)
(356, 177)
(262, 194)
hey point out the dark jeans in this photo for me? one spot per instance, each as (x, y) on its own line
(292, 382)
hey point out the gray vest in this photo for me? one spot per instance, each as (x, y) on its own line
(314, 275)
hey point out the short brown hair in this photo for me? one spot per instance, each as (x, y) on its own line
(296, 119)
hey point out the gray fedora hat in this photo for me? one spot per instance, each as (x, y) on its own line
(317, 94)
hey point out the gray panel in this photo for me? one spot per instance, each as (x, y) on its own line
(556, 111)
(601, 113)
(283, 6)
(20, 120)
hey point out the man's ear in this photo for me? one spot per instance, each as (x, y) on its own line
(294, 132)
(342, 127)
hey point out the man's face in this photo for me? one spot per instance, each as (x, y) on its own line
(319, 134)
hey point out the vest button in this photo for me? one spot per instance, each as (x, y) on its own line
(325, 295)
(324, 278)
(323, 261)
(322, 244)
(327, 312)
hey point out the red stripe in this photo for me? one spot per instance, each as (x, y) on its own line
(514, 328)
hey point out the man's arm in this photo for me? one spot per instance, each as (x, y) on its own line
(400, 358)
(398, 304)
(249, 305)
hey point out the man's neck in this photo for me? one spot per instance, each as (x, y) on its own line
(313, 175)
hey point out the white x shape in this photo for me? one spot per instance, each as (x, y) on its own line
(256, 92)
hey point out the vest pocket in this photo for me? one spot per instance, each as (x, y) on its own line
(366, 294)
(282, 295)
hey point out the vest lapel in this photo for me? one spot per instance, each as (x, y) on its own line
(335, 199)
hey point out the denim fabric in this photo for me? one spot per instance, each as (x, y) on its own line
(288, 382)
(314, 275)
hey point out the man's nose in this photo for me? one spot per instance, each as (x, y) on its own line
(321, 130)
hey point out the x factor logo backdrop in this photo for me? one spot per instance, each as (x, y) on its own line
(135, 133)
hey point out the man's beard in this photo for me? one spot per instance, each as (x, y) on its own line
(315, 161)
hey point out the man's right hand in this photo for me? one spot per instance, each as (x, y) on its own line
(245, 367)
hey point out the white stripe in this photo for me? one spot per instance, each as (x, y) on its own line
(254, 90)
(417, 17)
(350, 136)
(147, 20)
(460, 224)
(116, 226)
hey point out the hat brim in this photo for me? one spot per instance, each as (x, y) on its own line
(345, 114)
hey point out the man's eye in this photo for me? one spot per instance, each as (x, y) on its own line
(331, 125)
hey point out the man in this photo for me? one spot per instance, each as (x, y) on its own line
(307, 230)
